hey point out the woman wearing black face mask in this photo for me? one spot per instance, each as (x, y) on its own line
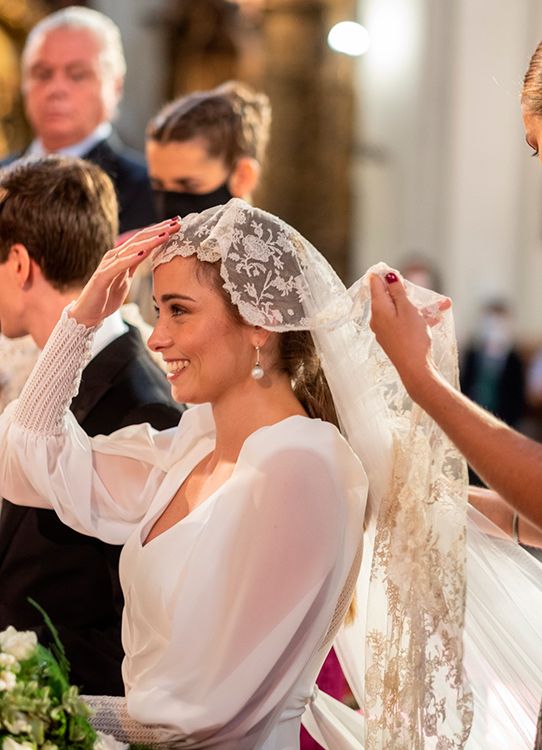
(169, 203)
(203, 149)
(206, 148)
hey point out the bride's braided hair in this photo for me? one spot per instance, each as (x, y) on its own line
(531, 96)
(298, 357)
(300, 360)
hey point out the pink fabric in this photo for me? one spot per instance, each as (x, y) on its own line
(331, 680)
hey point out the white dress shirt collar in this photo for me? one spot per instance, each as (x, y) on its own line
(102, 132)
(112, 328)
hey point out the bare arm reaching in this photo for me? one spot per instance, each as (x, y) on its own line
(509, 462)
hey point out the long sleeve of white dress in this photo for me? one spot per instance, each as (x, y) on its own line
(99, 486)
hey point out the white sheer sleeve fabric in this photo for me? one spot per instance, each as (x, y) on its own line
(100, 486)
(269, 556)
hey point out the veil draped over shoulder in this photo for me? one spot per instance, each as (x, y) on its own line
(434, 662)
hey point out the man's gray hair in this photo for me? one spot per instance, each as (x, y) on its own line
(105, 31)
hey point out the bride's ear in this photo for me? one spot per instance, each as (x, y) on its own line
(260, 336)
(244, 177)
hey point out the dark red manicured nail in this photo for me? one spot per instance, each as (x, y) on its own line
(141, 252)
(162, 234)
(391, 277)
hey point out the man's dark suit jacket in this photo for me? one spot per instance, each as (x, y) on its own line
(128, 172)
(510, 386)
(75, 577)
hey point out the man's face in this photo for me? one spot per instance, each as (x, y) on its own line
(66, 92)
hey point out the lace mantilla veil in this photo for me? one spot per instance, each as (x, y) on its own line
(417, 666)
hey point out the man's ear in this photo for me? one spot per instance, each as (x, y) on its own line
(112, 90)
(244, 178)
(21, 264)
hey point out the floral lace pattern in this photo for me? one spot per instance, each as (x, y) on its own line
(264, 263)
(415, 691)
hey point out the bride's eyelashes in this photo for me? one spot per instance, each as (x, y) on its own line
(174, 310)
(177, 310)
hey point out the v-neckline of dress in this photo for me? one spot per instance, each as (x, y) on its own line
(146, 529)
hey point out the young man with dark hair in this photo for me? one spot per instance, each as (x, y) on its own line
(58, 216)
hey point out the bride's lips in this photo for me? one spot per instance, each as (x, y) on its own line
(174, 367)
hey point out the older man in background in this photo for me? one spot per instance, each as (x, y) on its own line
(73, 70)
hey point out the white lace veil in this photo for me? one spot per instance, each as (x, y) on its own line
(403, 656)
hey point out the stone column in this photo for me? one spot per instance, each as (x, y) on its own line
(307, 175)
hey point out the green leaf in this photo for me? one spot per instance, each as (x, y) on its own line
(57, 648)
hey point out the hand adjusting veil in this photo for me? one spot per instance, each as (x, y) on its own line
(403, 656)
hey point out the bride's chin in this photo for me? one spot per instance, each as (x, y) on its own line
(184, 396)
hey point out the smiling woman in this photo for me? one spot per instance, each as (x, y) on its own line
(247, 520)
(245, 530)
(208, 355)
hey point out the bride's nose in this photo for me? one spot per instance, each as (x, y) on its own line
(159, 338)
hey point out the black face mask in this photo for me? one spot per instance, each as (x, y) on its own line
(168, 203)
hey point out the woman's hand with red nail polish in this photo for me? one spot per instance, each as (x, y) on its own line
(108, 287)
(403, 330)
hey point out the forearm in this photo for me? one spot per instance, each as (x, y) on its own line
(499, 512)
(54, 381)
(33, 427)
(508, 462)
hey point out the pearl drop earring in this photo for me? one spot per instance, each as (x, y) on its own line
(257, 371)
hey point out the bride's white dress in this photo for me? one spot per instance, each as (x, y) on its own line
(229, 612)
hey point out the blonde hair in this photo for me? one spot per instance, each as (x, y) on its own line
(531, 95)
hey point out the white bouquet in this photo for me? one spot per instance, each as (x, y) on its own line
(39, 709)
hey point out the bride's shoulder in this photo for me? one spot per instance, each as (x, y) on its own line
(304, 442)
(307, 459)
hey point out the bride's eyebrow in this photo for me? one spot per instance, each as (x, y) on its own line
(173, 296)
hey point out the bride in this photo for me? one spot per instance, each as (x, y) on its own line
(245, 528)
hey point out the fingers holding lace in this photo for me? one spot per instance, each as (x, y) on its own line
(432, 314)
(400, 328)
